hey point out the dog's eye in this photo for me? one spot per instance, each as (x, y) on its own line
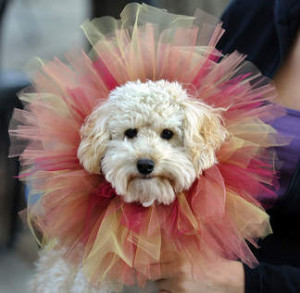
(131, 132)
(167, 134)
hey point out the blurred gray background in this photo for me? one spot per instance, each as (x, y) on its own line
(43, 28)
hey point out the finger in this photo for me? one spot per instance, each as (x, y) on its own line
(168, 285)
(164, 270)
(163, 285)
(176, 269)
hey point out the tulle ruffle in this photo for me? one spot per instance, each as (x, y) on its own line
(121, 242)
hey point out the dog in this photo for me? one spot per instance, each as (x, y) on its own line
(151, 140)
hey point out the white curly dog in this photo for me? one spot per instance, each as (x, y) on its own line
(151, 141)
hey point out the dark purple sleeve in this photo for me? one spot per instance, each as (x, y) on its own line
(266, 278)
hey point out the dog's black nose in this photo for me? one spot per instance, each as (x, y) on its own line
(145, 166)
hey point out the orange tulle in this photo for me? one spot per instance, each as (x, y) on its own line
(121, 242)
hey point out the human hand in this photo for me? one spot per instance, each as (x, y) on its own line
(221, 277)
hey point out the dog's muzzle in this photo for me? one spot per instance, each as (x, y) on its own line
(145, 166)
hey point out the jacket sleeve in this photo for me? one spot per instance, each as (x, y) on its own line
(266, 278)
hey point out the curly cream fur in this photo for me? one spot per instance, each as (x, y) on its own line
(150, 108)
(55, 275)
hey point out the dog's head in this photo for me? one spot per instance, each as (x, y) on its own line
(150, 140)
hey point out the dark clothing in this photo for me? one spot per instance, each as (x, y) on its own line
(279, 270)
(271, 279)
(264, 30)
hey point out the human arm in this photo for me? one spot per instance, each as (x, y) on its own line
(231, 277)
(222, 277)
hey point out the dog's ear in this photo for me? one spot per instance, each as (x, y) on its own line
(94, 138)
(204, 133)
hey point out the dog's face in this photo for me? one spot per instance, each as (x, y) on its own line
(150, 140)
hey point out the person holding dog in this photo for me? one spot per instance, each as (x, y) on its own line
(268, 32)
